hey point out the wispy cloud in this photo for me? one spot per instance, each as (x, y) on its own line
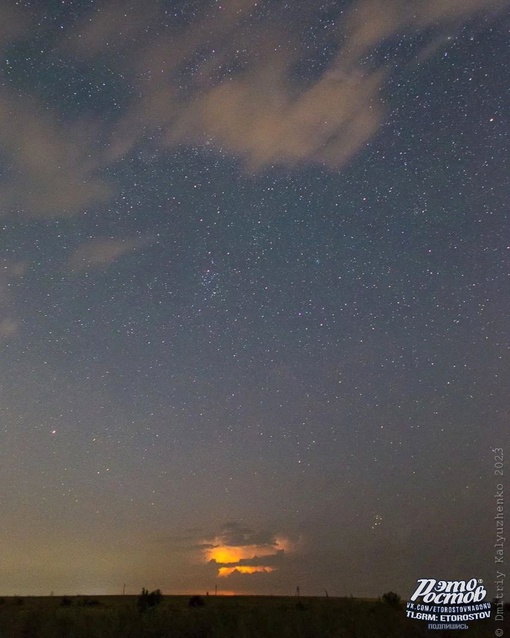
(14, 23)
(101, 253)
(246, 100)
(10, 272)
(50, 165)
(225, 78)
(54, 165)
(244, 96)
(110, 27)
(371, 22)
(8, 328)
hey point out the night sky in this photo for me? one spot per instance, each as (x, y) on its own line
(254, 294)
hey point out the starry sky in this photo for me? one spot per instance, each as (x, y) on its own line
(254, 294)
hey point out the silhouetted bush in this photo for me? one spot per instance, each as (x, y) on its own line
(148, 600)
(2, 601)
(66, 601)
(19, 601)
(196, 601)
(391, 599)
(300, 606)
(90, 602)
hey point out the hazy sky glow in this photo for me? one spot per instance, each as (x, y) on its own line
(254, 294)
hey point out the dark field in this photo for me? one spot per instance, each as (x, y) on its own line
(218, 617)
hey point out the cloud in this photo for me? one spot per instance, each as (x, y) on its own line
(10, 271)
(50, 167)
(431, 12)
(54, 166)
(14, 23)
(243, 96)
(8, 328)
(101, 253)
(225, 76)
(260, 113)
(259, 117)
(111, 27)
(371, 22)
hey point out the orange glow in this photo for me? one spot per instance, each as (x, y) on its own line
(224, 554)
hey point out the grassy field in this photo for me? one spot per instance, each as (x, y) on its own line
(218, 617)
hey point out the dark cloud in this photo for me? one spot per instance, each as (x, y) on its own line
(237, 535)
(269, 560)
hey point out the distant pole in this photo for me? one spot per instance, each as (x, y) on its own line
(326, 593)
(297, 590)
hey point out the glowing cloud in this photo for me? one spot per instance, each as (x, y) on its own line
(239, 549)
